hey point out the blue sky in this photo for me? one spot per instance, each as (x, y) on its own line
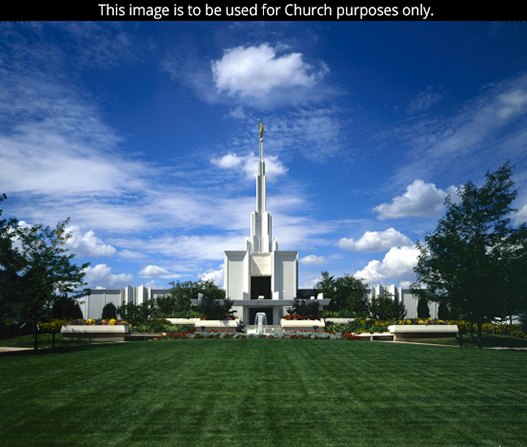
(145, 134)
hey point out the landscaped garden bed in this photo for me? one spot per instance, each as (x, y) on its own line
(299, 335)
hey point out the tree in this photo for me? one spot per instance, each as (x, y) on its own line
(474, 260)
(422, 308)
(304, 306)
(443, 312)
(386, 307)
(10, 263)
(109, 311)
(347, 294)
(178, 300)
(40, 273)
(65, 308)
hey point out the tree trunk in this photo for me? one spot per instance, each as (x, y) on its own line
(35, 333)
(480, 340)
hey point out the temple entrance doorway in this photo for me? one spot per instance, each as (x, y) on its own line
(261, 286)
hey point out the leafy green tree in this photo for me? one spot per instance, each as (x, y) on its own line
(40, 273)
(10, 263)
(475, 261)
(213, 303)
(178, 299)
(347, 294)
(138, 314)
(214, 308)
(386, 307)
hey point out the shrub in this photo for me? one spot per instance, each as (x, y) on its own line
(386, 307)
(138, 314)
(154, 325)
(66, 308)
(305, 308)
(109, 312)
(215, 309)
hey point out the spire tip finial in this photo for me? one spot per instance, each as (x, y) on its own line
(261, 129)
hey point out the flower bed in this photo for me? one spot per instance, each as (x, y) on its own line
(516, 330)
(90, 322)
(296, 335)
(420, 321)
(301, 317)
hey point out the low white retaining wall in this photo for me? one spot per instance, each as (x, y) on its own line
(100, 333)
(378, 336)
(217, 325)
(302, 325)
(402, 331)
(183, 320)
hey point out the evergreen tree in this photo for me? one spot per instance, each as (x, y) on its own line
(422, 308)
(109, 311)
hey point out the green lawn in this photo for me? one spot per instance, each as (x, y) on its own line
(263, 393)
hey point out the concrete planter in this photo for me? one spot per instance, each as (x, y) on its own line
(217, 325)
(302, 325)
(95, 333)
(183, 320)
(402, 331)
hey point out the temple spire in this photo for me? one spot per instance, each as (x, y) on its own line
(261, 224)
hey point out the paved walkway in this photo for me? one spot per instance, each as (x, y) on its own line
(6, 349)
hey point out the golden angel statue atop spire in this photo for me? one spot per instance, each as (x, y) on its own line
(261, 128)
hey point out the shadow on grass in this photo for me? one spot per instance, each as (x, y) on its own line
(489, 341)
(63, 349)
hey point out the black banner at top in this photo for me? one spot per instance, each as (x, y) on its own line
(334, 10)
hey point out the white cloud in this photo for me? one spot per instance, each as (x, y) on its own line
(521, 216)
(397, 266)
(249, 165)
(237, 112)
(376, 241)
(87, 244)
(423, 100)
(216, 275)
(487, 128)
(101, 276)
(256, 71)
(313, 260)
(155, 271)
(420, 199)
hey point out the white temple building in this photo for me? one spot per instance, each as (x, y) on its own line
(261, 278)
